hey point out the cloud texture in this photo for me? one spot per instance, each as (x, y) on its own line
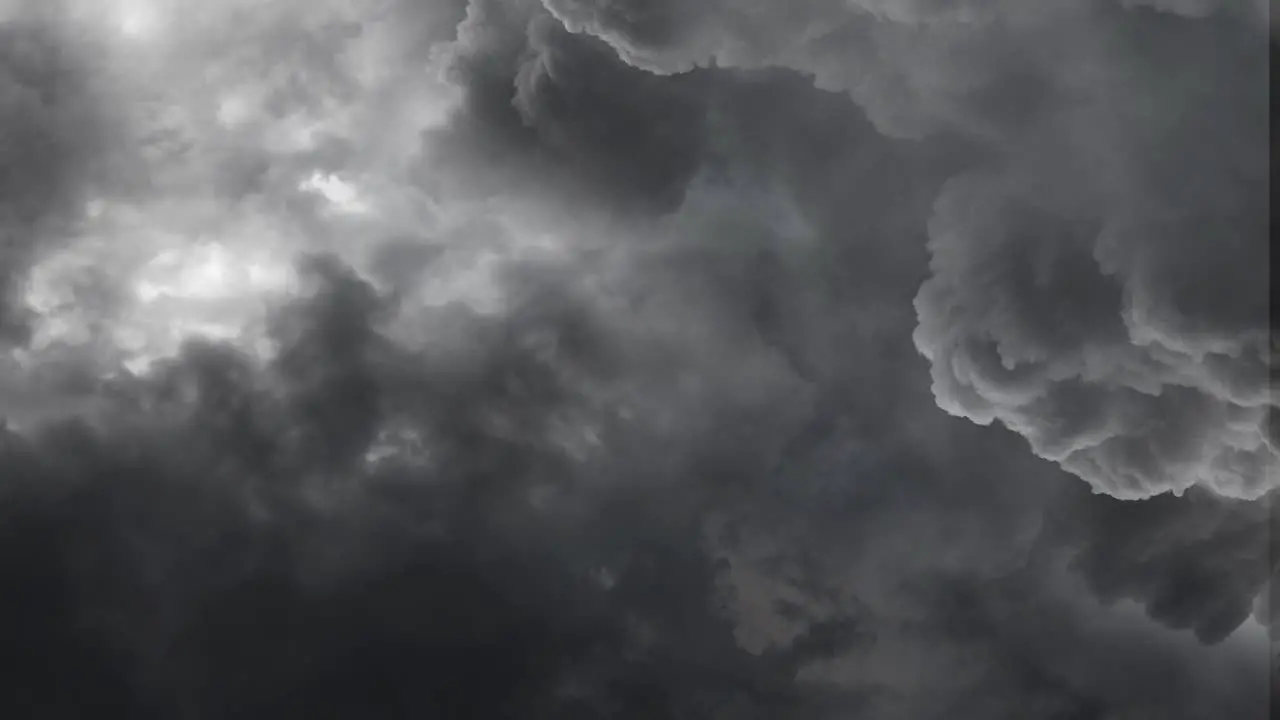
(584, 359)
(1106, 267)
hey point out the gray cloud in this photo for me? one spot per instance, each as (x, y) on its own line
(57, 144)
(1200, 563)
(559, 108)
(1157, 379)
(598, 391)
(1116, 181)
(243, 502)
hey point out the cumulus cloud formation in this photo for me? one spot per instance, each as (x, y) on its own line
(1126, 336)
(582, 359)
(1104, 151)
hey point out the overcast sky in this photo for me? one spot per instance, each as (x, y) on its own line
(635, 359)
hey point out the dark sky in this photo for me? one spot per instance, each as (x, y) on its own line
(635, 360)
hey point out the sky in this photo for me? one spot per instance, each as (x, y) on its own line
(636, 359)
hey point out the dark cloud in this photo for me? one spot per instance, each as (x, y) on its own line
(1154, 375)
(1198, 563)
(1117, 179)
(1065, 660)
(222, 544)
(608, 398)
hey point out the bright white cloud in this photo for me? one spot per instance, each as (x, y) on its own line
(139, 19)
(343, 197)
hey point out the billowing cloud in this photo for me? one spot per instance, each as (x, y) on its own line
(1100, 286)
(1125, 335)
(568, 359)
(301, 554)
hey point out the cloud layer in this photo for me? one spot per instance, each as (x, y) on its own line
(572, 359)
(1106, 267)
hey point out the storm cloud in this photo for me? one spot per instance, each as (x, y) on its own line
(569, 359)
(1126, 164)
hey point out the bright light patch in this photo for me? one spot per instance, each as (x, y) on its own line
(342, 195)
(138, 19)
(144, 299)
(210, 291)
(208, 277)
(202, 273)
(235, 110)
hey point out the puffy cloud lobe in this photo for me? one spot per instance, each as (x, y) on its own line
(1028, 329)
(1127, 342)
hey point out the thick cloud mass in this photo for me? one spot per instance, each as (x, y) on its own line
(585, 359)
(403, 585)
(1126, 337)
(1101, 286)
